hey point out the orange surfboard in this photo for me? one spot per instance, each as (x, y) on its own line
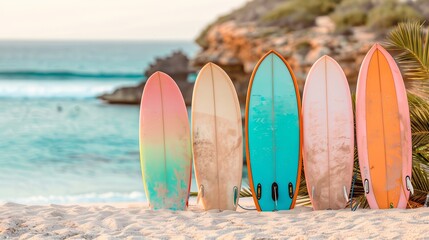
(383, 131)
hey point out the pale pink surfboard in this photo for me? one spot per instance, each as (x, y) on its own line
(383, 131)
(328, 149)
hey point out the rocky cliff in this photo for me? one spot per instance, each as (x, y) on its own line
(176, 65)
(302, 31)
(237, 48)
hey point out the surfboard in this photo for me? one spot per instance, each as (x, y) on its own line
(165, 144)
(328, 130)
(217, 139)
(383, 131)
(273, 134)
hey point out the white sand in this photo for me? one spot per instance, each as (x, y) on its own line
(136, 221)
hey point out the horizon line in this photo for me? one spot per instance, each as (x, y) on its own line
(92, 40)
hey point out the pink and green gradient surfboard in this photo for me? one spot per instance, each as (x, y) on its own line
(165, 146)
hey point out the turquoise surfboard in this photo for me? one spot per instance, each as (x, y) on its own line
(273, 130)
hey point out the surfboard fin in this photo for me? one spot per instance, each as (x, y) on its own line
(291, 190)
(366, 186)
(235, 196)
(409, 185)
(427, 201)
(259, 191)
(312, 191)
(346, 196)
(275, 193)
(200, 193)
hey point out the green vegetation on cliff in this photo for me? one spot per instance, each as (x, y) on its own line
(351, 13)
(377, 15)
(297, 13)
(389, 13)
(289, 15)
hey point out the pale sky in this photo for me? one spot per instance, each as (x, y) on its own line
(109, 19)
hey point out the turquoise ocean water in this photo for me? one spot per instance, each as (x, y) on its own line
(59, 144)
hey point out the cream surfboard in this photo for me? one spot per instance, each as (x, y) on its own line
(383, 131)
(217, 139)
(328, 149)
(165, 146)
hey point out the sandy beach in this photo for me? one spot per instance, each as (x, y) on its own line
(137, 221)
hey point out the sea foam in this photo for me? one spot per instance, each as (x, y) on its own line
(82, 198)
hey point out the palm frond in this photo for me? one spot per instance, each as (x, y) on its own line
(245, 192)
(421, 160)
(303, 186)
(303, 201)
(420, 182)
(419, 116)
(418, 88)
(412, 43)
